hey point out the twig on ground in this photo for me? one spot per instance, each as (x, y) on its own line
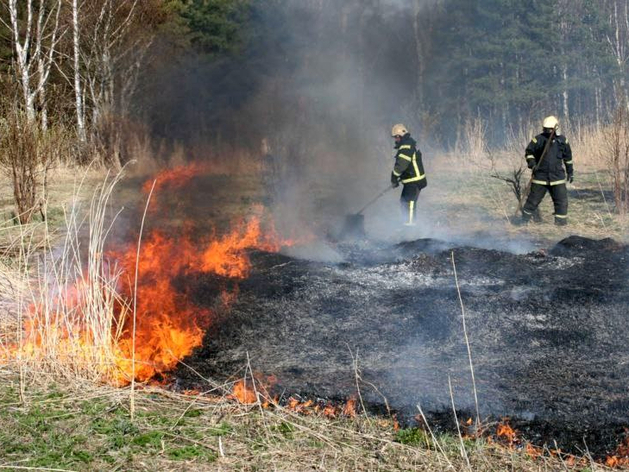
(357, 379)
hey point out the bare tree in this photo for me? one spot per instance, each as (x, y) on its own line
(34, 43)
(618, 158)
(618, 18)
(109, 45)
(28, 153)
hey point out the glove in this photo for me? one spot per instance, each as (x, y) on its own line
(571, 178)
(395, 181)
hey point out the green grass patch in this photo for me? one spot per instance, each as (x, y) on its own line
(413, 437)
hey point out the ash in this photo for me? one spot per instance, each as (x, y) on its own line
(548, 333)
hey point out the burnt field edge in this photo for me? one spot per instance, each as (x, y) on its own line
(573, 436)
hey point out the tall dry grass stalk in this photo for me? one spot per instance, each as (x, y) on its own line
(68, 318)
(472, 140)
(588, 144)
(135, 299)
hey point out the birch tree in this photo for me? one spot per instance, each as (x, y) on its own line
(618, 42)
(34, 41)
(78, 86)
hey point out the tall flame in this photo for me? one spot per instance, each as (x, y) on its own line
(167, 325)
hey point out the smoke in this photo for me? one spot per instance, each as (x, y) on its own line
(309, 104)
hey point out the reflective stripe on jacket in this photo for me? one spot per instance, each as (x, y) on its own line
(550, 171)
(408, 162)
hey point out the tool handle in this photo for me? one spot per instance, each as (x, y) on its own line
(375, 199)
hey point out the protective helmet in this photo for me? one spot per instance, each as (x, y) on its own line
(399, 130)
(551, 122)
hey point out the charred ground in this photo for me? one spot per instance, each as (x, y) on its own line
(547, 332)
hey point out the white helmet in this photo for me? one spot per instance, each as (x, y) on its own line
(551, 122)
(399, 130)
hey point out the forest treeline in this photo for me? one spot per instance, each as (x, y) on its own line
(95, 75)
(435, 64)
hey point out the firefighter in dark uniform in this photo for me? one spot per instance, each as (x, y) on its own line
(409, 170)
(547, 154)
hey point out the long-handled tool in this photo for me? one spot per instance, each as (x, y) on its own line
(354, 226)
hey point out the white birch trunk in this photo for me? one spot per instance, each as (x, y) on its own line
(78, 91)
(33, 61)
(617, 43)
(22, 49)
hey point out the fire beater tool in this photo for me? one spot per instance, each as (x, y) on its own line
(354, 226)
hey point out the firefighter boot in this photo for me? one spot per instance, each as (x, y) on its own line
(561, 220)
(523, 220)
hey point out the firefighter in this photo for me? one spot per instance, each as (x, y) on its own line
(547, 154)
(409, 170)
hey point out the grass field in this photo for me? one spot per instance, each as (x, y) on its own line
(51, 422)
(53, 426)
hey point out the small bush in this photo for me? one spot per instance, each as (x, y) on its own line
(27, 153)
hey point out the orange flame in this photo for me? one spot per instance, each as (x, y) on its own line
(244, 393)
(350, 408)
(226, 256)
(506, 432)
(167, 325)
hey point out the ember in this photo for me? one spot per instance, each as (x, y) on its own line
(620, 457)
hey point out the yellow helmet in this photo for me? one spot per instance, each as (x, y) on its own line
(551, 122)
(399, 130)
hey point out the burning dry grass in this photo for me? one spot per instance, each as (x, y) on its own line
(84, 314)
(64, 315)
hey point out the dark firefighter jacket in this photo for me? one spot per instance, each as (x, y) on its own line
(550, 171)
(408, 162)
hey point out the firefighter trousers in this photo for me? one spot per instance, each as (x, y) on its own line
(408, 200)
(559, 194)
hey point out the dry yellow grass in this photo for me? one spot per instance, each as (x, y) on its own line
(164, 435)
(82, 426)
